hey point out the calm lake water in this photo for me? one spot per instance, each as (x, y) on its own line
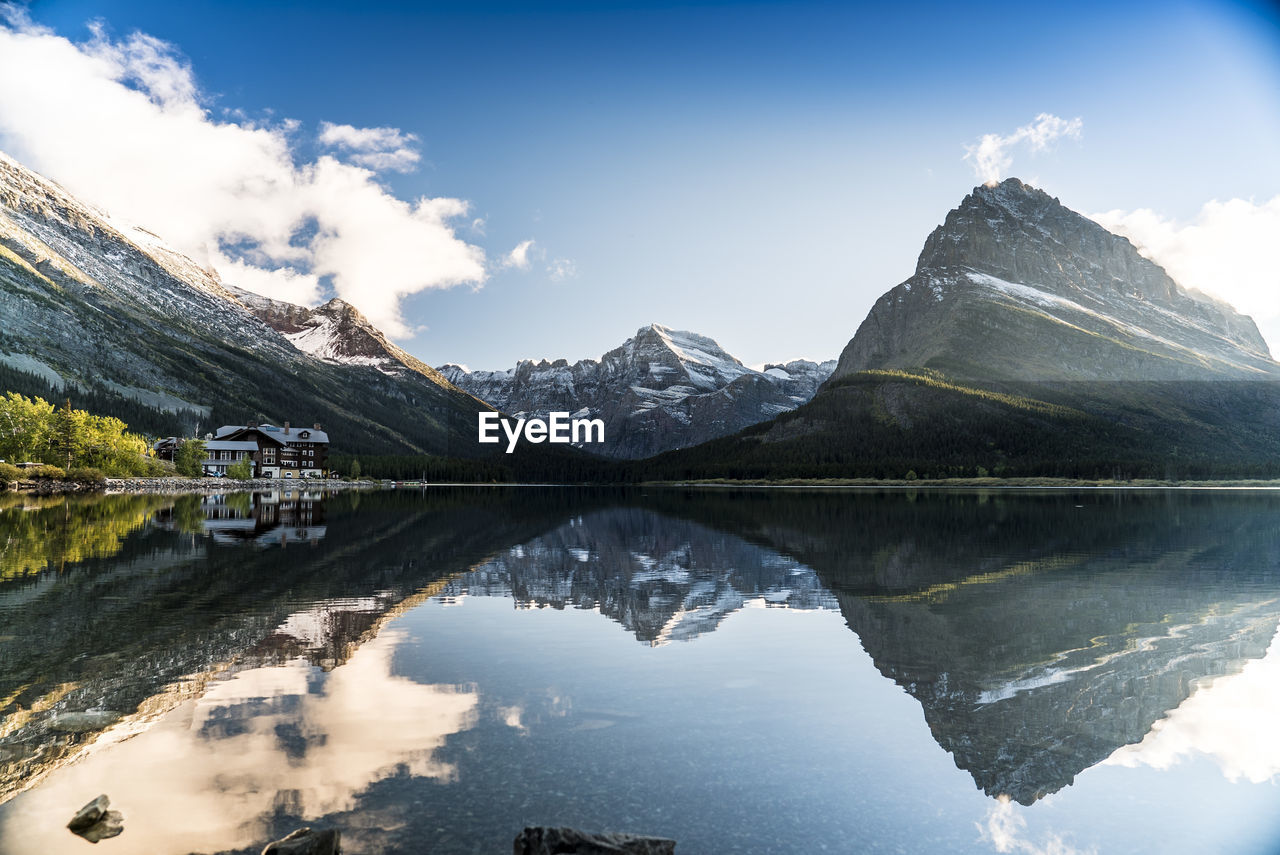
(745, 671)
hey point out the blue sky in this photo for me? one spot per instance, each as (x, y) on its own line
(756, 172)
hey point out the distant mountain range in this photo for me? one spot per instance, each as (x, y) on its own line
(660, 389)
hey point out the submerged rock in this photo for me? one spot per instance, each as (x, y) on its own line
(304, 841)
(90, 813)
(543, 840)
(111, 824)
(94, 822)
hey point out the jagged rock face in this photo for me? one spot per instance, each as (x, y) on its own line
(661, 389)
(89, 301)
(1015, 286)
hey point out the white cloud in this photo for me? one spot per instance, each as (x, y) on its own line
(1005, 828)
(561, 269)
(122, 124)
(1228, 250)
(281, 283)
(1231, 719)
(519, 257)
(992, 156)
(374, 148)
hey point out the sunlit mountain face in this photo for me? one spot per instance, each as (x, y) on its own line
(1050, 644)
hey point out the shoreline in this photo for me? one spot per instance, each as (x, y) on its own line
(1031, 483)
(211, 486)
(178, 486)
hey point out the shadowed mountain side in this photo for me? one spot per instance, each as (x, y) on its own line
(1016, 286)
(887, 424)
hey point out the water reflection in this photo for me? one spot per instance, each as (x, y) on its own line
(1231, 720)
(662, 578)
(1039, 634)
(135, 629)
(39, 533)
(290, 739)
(267, 518)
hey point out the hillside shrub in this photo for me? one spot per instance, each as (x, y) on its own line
(88, 476)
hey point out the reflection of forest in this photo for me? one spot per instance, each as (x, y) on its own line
(50, 532)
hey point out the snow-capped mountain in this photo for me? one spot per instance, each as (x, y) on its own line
(661, 389)
(100, 305)
(336, 332)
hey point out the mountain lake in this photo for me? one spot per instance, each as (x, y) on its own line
(742, 670)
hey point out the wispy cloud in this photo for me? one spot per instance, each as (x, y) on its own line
(123, 124)
(992, 156)
(1229, 250)
(374, 148)
(519, 257)
(561, 269)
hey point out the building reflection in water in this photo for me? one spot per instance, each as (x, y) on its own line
(267, 518)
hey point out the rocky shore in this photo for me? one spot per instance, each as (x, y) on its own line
(227, 485)
(176, 485)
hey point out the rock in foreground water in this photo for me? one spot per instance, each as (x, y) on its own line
(94, 822)
(542, 840)
(90, 813)
(304, 841)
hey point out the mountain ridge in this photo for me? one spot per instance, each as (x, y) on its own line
(660, 389)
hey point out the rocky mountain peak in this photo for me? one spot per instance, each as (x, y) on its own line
(335, 332)
(1021, 234)
(1015, 285)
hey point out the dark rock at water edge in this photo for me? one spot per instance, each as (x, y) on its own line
(95, 822)
(90, 813)
(304, 841)
(543, 840)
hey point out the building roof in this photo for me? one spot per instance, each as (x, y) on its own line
(277, 433)
(230, 445)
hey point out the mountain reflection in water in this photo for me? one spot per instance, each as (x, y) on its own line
(249, 682)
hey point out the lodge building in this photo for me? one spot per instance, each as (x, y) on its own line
(276, 452)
